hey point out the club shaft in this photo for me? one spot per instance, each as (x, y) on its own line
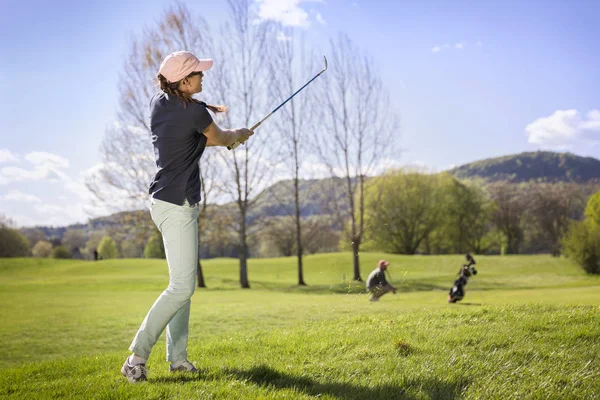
(236, 144)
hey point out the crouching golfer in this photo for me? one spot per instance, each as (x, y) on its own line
(181, 128)
(377, 285)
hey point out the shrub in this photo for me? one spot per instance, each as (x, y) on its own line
(42, 249)
(582, 244)
(107, 248)
(61, 252)
(13, 243)
(155, 247)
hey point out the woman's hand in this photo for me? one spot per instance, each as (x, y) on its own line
(243, 134)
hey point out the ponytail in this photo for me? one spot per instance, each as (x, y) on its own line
(172, 89)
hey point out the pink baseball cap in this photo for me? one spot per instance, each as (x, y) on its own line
(180, 64)
(383, 263)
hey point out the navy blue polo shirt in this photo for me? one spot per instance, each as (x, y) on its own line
(178, 145)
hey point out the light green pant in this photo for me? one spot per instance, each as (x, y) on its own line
(179, 228)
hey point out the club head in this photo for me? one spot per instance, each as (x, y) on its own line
(325, 69)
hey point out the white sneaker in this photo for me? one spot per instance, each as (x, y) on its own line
(134, 373)
(185, 366)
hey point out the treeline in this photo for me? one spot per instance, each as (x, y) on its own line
(410, 212)
(405, 213)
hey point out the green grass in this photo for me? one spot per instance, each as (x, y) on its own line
(529, 327)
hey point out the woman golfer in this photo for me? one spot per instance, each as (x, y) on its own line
(181, 128)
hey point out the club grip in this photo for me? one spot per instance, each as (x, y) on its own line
(233, 146)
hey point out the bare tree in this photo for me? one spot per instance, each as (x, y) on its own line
(128, 160)
(240, 84)
(357, 132)
(281, 233)
(289, 70)
(208, 169)
(509, 213)
(74, 239)
(550, 209)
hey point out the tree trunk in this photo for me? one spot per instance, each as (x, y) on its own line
(355, 259)
(300, 249)
(201, 283)
(244, 254)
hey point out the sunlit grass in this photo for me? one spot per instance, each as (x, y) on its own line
(529, 328)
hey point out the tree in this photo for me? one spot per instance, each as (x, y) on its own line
(582, 245)
(130, 248)
(93, 242)
(42, 249)
(61, 252)
(127, 154)
(240, 83)
(592, 208)
(508, 213)
(357, 131)
(289, 71)
(208, 173)
(12, 242)
(582, 241)
(320, 235)
(74, 239)
(280, 233)
(402, 210)
(155, 247)
(219, 238)
(550, 209)
(128, 158)
(34, 235)
(107, 248)
(7, 221)
(468, 212)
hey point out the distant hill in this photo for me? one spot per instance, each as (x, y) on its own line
(540, 165)
(316, 195)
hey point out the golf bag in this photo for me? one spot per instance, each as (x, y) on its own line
(457, 292)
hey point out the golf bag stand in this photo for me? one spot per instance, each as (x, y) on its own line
(457, 292)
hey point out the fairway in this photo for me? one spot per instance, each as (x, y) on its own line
(529, 327)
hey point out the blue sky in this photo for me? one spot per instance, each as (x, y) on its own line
(469, 80)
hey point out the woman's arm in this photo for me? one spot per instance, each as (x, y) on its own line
(225, 137)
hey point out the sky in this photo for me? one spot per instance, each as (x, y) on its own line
(468, 79)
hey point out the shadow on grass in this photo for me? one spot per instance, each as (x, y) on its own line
(469, 304)
(348, 288)
(177, 377)
(268, 377)
(355, 288)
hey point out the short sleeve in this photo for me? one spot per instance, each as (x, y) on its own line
(202, 118)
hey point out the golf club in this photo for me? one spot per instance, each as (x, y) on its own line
(236, 144)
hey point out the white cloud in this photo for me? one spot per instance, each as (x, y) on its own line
(564, 128)
(7, 156)
(15, 195)
(457, 46)
(16, 174)
(52, 209)
(46, 166)
(287, 12)
(47, 159)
